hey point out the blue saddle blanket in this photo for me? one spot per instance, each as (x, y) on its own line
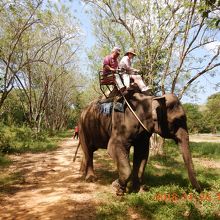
(106, 108)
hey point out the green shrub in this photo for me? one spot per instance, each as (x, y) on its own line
(23, 139)
(4, 161)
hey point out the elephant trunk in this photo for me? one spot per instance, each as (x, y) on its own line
(183, 141)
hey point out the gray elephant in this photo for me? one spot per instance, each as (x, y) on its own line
(121, 130)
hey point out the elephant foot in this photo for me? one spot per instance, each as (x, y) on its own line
(90, 178)
(135, 188)
(120, 190)
(144, 188)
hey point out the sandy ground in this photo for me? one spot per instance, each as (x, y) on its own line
(208, 163)
(51, 186)
(205, 138)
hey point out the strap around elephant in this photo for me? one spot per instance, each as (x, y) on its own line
(129, 106)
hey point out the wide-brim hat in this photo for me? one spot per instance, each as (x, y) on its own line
(132, 51)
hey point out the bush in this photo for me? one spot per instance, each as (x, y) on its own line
(23, 139)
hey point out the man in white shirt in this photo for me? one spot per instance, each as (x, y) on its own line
(131, 73)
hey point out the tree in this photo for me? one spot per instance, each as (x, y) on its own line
(171, 39)
(195, 119)
(38, 56)
(16, 19)
(212, 114)
(210, 9)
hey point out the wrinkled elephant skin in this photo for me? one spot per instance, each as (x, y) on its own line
(119, 131)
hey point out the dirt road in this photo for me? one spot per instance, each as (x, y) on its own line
(205, 138)
(50, 187)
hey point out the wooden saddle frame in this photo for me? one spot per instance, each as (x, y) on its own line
(107, 82)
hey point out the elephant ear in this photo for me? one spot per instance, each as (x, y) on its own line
(159, 111)
(158, 108)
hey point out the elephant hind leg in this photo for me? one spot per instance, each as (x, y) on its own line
(89, 170)
(87, 161)
(82, 168)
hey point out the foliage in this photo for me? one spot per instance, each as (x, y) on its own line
(12, 111)
(212, 113)
(210, 9)
(204, 119)
(168, 194)
(172, 40)
(23, 139)
(195, 118)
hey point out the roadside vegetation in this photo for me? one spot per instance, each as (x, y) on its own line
(167, 193)
(17, 140)
(43, 88)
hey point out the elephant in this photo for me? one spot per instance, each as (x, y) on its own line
(118, 131)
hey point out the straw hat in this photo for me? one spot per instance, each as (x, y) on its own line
(132, 51)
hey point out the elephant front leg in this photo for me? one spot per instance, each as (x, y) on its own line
(141, 152)
(121, 157)
(124, 172)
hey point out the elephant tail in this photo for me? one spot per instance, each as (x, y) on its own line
(77, 148)
(83, 139)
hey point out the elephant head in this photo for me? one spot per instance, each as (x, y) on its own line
(169, 121)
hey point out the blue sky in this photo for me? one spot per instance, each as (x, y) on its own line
(79, 10)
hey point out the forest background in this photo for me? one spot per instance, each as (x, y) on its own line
(47, 78)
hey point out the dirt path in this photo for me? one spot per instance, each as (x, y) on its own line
(205, 138)
(51, 187)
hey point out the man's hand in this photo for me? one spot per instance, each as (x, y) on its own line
(113, 70)
(136, 71)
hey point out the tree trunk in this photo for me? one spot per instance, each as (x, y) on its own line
(156, 144)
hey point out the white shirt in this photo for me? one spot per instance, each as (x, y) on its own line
(125, 63)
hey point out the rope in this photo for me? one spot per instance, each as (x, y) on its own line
(129, 106)
(135, 114)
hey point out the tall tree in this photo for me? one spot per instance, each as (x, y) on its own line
(172, 39)
(16, 19)
(212, 114)
(43, 58)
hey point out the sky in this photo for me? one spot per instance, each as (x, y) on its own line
(79, 9)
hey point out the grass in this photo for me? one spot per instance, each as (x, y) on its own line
(211, 150)
(169, 194)
(23, 139)
(7, 179)
(4, 160)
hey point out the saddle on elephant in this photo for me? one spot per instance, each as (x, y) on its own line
(108, 84)
(118, 83)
